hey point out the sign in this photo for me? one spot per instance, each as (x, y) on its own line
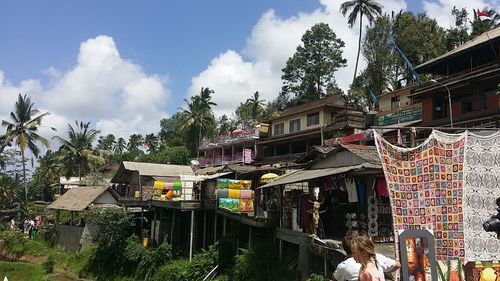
(405, 115)
(247, 156)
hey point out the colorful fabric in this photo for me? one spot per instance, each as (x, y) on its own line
(482, 187)
(177, 185)
(222, 193)
(246, 205)
(232, 205)
(425, 184)
(222, 183)
(246, 194)
(234, 184)
(381, 186)
(234, 193)
(246, 184)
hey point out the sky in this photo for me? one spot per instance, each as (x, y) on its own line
(124, 65)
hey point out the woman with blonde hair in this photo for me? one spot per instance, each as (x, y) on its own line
(364, 253)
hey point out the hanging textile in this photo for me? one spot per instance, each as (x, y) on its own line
(425, 184)
(482, 187)
(351, 190)
(381, 186)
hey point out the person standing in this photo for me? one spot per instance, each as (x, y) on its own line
(12, 224)
(349, 269)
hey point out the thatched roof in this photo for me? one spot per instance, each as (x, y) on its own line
(78, 199)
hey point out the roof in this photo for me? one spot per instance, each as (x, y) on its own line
(327, 101)
(366, 152)
(71, 181)
(209, 170)
(150, 169)
(78, 199)
(305, 175)
(480, 40)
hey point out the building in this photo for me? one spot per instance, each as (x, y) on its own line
(297, 129)
(240, 146)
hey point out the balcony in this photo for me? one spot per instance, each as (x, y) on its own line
(235, 137)
(226, 159)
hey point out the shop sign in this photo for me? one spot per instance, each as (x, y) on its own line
(405, 115)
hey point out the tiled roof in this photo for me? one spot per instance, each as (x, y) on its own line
(327, 101)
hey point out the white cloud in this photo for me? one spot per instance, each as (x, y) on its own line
(441, 10)
(116, 95)
(235, 76)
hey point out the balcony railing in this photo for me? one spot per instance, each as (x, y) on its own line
(227, 159)
(242, 135)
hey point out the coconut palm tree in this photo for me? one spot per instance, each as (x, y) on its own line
(368, 8)
(23, 129)
(46, 175)
(76, 152)
(120, 146)
(7, 191)
(198, 116)
(256, 105)
(134, 141)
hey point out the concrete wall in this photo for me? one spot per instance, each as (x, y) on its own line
(105, 198)
(68, 237)
(324, 118)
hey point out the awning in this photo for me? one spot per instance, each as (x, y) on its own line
(304, 175)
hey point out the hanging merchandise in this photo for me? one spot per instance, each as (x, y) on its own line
(372, 216)
(426, 189)
(482, 187)
(351, 190)
(381, 186)
(165, 191)
(238, 193)
(232, 205)
(361, 190)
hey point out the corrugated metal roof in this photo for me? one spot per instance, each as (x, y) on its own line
(305, 175)
(481, 39)
(77, 199)
(152, 169)
(327, 101)
(366, 152)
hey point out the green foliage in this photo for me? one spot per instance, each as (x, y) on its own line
(178, 155)
(48, 265)
(46, 176)
(479, 27)
(317, 277)
(108, 258)
(259, 263)
(310, 71)
(184, 270)
(7, 190)
(13, 242)
(152, 260)
(22, 271)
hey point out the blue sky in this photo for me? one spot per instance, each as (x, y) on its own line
(124, 65)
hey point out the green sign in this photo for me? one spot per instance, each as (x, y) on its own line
(405, 115)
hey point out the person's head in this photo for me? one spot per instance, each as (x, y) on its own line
(347, 245)
(363, 249)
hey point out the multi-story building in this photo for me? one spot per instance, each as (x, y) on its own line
(239, 146)
(468, 76)
(297, 129)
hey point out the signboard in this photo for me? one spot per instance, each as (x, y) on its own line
(247, 156)
(405, 115)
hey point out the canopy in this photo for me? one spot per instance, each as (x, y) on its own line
(304, 175)
(269, 177)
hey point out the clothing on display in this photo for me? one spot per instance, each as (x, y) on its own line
(381, 186)
(351, 190)
(239, 193)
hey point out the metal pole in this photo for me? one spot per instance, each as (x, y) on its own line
(191, 236)
(434, 128)
(224, 227)
(172, 228)
(449, 99)
(215, 228)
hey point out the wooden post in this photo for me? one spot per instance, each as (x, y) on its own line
(325, 268)
(215, 227)
(191, 236)
(249, 236)
(224, 227)
(58, 216)
(280, 250)
(204, 228)
(142, 221)
(153, 235)
(72, 217)
(172, 228)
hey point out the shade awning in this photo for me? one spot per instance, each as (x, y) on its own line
(304, 175)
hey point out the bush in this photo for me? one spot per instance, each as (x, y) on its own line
(152, 260)
(48, 265)
(317, 277)
(13, 242)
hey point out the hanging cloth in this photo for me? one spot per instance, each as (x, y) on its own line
(351, 190)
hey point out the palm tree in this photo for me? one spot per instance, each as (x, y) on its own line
(368, 8)
(120, 146)
(256, 105)
(23, 129)
(198, 115)
(47, 174)
(7, 191)
(106, 142)
(134, 141)
(152, 142)
(76, 152)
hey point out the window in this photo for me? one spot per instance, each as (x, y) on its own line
(490, 99)
(395, 103)
(294, 125)
(279, 129)
(313, 119)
